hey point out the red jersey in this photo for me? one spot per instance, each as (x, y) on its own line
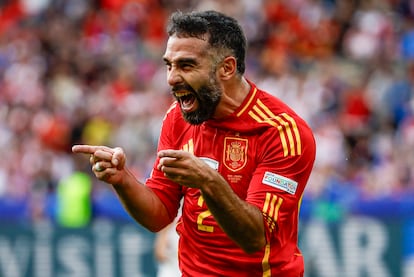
(266, 152)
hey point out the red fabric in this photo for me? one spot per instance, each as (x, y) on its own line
(356, 112)
(120, 90)
(114, 5)
(10, 14)
(291, 35)
(356, 105)
(56, 133)
(244, 150)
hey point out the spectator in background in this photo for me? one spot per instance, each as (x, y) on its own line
(166, 251)
(74, 207)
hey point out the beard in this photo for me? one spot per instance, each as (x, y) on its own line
(208, 96)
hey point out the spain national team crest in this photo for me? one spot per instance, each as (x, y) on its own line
(235, 153)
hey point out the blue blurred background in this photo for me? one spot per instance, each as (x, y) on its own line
(75, 71)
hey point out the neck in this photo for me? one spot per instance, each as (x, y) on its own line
(234, 93)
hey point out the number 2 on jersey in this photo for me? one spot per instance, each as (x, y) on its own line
(202, 216)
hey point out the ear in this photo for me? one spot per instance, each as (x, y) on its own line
(228, 68)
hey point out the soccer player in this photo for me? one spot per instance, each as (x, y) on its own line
(239, 157)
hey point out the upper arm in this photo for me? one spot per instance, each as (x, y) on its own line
(169, 192)
(279, 180)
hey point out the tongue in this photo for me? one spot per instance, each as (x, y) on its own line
(187, 104)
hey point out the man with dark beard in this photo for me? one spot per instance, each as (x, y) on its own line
(239, 157)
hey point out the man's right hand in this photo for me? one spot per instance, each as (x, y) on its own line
(108, 164)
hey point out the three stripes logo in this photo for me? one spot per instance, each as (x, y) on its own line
(271, 209)
(189, 146)
(288, 130)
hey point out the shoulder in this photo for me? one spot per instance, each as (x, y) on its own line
(285, 127)
(173, 122)
(266, 109)
(173, 115)
(172, 111)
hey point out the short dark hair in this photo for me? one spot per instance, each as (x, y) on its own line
(223, 31)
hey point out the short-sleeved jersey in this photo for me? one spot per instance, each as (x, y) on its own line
(265, 151)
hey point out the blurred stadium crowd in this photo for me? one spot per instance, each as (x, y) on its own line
(74, 71)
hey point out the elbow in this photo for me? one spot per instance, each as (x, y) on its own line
(153, 223)
(253, 246)
(153, 227)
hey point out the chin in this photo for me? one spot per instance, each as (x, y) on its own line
(193, 118)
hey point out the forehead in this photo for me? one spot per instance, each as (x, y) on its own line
(185, 47)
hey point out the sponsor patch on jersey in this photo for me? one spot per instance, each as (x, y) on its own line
(235, 153)
(280, 182)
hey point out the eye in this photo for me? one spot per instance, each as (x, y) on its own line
(186, 66)
(167, 63)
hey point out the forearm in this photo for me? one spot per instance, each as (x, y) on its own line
(242, 222)
(142, 203)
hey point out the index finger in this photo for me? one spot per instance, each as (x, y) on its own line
(88, 149)
(178, 154)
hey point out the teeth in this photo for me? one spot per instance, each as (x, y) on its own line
(181, 94)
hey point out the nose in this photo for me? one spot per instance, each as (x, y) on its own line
(173, 77)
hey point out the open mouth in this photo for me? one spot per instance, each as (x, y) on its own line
(187, 100)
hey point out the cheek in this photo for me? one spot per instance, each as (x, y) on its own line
(201, 80)
(197, 83)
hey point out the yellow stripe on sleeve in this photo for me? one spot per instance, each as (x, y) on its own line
(286, 125)
(296, 131)
(279, 203)
(263, 119)
(265, 262)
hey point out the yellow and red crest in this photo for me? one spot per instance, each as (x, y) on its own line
(235, 153)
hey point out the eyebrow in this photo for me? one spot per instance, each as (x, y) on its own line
(182, 60)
